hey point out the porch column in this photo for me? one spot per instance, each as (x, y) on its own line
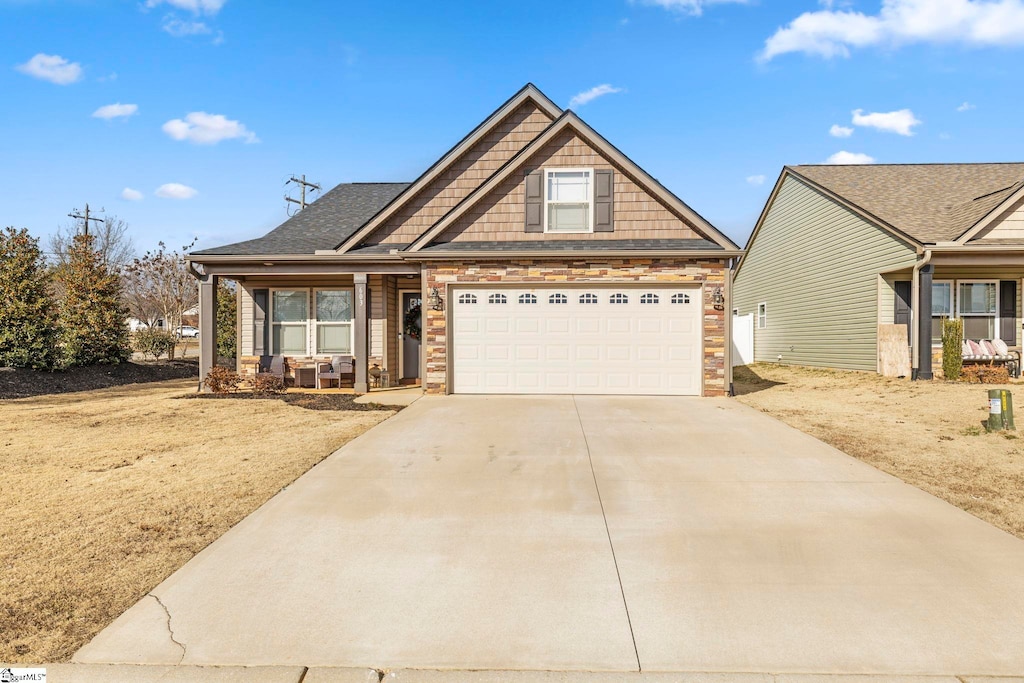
(207, 326)
(362, 346)
(924, 323)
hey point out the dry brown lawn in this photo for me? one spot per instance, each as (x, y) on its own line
(928, 434)
(105, 493)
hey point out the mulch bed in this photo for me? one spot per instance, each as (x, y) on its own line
(23, 382)
(307, 401)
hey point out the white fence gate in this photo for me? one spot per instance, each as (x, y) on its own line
(742, 339)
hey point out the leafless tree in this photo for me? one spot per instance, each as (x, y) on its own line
(112, 242)
(159, 285)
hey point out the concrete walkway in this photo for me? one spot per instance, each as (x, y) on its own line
(594, 534)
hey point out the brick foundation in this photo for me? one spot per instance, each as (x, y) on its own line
(709, 272)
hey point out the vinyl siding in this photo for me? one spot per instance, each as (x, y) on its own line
(1009, 226)
(816, 266)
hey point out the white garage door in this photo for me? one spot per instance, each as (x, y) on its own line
(573, 340)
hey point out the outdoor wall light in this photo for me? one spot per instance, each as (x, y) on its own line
(435, 300)
(718, 299)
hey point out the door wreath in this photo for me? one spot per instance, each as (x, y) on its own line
(411, 326)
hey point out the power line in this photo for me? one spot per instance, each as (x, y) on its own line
(85, 218)
(303, 184)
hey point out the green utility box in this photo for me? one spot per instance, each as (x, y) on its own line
(1000, 410)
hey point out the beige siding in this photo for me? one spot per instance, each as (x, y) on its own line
(245, 330)
(1009, 226)
(393, 327)
(377, 308)
(472, 168)
(500, 215)
(816, 265)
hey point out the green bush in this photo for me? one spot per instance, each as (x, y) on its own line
(221, 380)
(153, 342)
(226, 320)
(27, 324)
(952, 348)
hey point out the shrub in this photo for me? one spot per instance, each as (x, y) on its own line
(221, 380)
(153, 342)
(981, 373)
(226, 320)
(267, 385)
(27, 325)
(952, 349)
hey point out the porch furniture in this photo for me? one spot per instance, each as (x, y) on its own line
(340, 366)
(271, 365)
(305, 376)
(991, 352)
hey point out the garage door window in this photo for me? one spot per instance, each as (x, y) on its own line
(618, 298)
(497, 299)
(588, 298)
(467, 298)
(649, 299)
(527, 298)
(558, 299)
(680, 298)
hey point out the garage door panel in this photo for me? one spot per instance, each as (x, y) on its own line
(614, 340)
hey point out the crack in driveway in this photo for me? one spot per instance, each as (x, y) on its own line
(170, 631)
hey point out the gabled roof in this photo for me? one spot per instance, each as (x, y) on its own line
(529, 93)
(930, 203)
(337, 214)
(569, 120)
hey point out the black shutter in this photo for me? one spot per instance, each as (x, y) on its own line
(604, 190)
(534, 200)
(260, 330)
(902, 304)
(1008, 311)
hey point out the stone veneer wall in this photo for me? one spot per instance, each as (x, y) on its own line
(606, 271)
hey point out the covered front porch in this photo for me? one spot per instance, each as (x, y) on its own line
(302, 316)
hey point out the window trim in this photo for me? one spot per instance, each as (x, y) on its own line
(761, 314)
(590, 199)
(954, 303)
(274, 323)
(316, 323)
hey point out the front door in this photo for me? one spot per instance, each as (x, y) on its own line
(412, 321)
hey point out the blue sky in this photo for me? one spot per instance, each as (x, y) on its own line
(712, 98)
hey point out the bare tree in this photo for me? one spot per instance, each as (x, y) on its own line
(112, 242)
(159, 285)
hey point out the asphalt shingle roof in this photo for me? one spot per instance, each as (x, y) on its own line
(581, 245)
(929, 202)
(322, 225)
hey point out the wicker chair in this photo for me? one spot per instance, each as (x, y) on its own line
(340, 366)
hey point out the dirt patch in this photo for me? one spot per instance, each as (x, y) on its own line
(307, 401)
(24, 383)
(107, 492)
(927, 433)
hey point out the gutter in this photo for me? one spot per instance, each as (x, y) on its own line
(915, 304)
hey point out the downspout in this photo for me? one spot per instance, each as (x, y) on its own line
(915, 303)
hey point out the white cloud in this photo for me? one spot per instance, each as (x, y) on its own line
(180, 28)
(838, 131)
(694, 8)
(132, 195)
(113, 111)
(207, 129)
(966, 106)
(755, 179)
(176, 191)
(830, 33)
(849, 158)
(589, 95)
(53, 68)
(945, 136)
(900, 122)
(209, 7)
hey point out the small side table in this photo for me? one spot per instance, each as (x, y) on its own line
(305, 377)
(385, 379)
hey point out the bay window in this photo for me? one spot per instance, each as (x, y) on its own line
(334, 321)
(569, 200)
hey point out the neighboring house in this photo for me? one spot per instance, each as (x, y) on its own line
(533, 257)
(840, 249)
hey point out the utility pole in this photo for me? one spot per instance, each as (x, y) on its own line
(303, 184)
(84, 218)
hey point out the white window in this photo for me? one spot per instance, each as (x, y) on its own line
(289, 313)
(334, 321)
(977, 304)
(942, 307)
(762, 316)
(569, 200)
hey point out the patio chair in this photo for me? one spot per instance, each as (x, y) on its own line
(271, 366)
(340, 366)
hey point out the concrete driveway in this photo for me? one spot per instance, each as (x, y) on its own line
(592, 533)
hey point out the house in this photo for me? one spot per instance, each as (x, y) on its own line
(839, 250)
(532, 257)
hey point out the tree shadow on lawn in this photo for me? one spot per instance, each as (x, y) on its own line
(746, 381)
(28, 383)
